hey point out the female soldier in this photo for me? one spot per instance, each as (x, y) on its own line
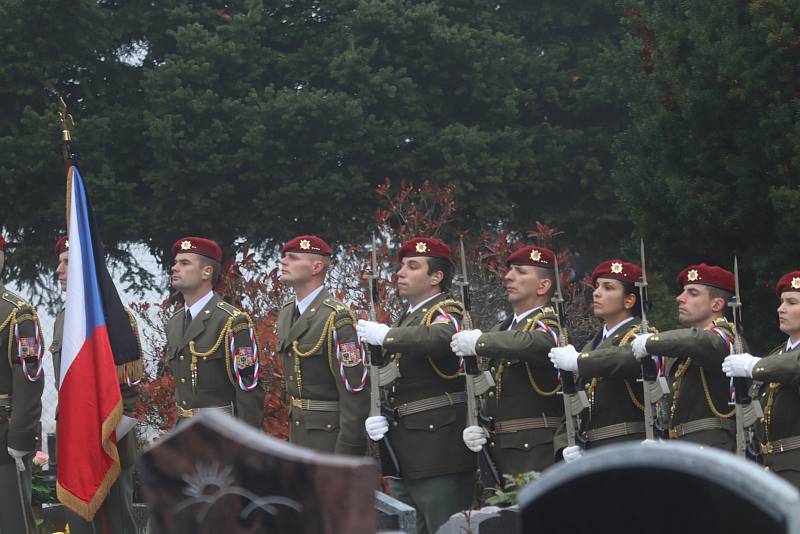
(607, 367)
(777, 378)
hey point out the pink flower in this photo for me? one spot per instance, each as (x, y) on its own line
(41, 458)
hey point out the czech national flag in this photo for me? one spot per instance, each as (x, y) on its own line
(96, 328)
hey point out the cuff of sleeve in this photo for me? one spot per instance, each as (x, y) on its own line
(23, 441)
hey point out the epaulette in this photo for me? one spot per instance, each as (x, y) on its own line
(723, 324)
(16, 300)
(231, 310)
(446, 306)
(344, 315)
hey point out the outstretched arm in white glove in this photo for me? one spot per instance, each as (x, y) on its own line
(463, 343)
(564, 358)
(739, 365)
(572, 453)
(639, 346)
(371, 332)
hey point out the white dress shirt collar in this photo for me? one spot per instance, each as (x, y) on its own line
(412, 309)
(198, 306)
(306, 302)
(607, 332)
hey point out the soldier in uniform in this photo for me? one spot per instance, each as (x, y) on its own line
(326, 377)
(116, 512)
(211, 345)
(524, 407)
(21, 386)
(699, 411)
(607, 367)
(776, 378)
(428, 398)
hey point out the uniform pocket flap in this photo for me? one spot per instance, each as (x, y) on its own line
(327, 421)
(431, 420)
(525, 440)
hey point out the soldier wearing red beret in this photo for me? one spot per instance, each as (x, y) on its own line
(427, 395)
(775, 385)
(21, 387)
(607, 367)
(212, 350)
(699, 411)
(326, 378)
(524, 406)
(117, 510)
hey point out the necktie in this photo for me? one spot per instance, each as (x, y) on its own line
(295, 314)
(187, 319)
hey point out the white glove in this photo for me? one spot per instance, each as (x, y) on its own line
(739, 365)
(639, 346)
(474, 438)
(572, 453)
(564, 358)
(371, 332)
(124, 426)
(18, 457)
(463, 343)
(376, 427)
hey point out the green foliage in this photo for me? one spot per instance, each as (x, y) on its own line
(513, 485)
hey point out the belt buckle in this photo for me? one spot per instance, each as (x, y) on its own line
(766, 448)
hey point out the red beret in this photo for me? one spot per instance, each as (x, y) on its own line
(308, 244)
(707, 275)
(536, 256)
(624, 271)
(424, 246)
(2, 243)
(62, 245)
(198, 245)
(788, 282)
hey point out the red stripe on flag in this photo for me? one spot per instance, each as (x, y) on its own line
(89, 408)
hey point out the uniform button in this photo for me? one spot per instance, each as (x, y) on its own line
(391, 399)
(524, 445)
(297, 423)
(493, 369)
(180, 357)
(395, 423)
(328, 425)
(183, 403)
(674, 385)
(291, 377)
(183, 380)
(491, 393)
(430, 427)
(491, 443)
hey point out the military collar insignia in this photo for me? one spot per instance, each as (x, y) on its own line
(305, 244)
(186, 245)
(616, 267)
(693, 275)
(796, 282)
(536, 255)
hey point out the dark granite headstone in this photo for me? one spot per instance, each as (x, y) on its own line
(662, 488)
(214, 474)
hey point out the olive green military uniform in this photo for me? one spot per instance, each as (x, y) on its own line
(524, 406)
(20, 407)
(437, 470)
(327, 409)
(777, 386)
(699, 411)
(208, 374)
(117, 511)
(609, 372)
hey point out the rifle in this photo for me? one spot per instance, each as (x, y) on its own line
(389, 464)
(653, 386)
(747, 412)
(474, 381)
(575, 401)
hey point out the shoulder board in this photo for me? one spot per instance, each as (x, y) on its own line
(15, 300)
(334, 304)
(722, 324)
(231, 310)
(545, 314)
(449, 305)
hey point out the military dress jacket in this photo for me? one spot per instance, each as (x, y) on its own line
(609, 372)
(322, 362)
(20, 424)
(427, 443)
(207, 372)
(526, 387)
(126, 447)
(777, 386)
(699, 388)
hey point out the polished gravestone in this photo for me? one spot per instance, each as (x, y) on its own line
(214, 474)
(659, 489)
